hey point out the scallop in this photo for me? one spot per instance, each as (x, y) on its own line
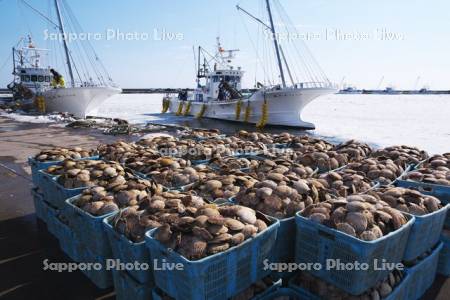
(237, 238)
(346, 228)
(249, 230)
(202, 233)
(318, 217)
(216, 248)
(357, 220)
(246, 215)
(213, 185)
(264, 192)
(235, 225)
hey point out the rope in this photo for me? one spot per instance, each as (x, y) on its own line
(238, 109)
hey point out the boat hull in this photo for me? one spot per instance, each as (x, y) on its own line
(284, 107)
(78, 101)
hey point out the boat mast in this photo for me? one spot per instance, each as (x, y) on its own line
(66, 48)
(275, 41)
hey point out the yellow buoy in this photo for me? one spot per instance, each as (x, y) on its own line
(180, 108)
(165, 105)
(265, 115)
(201, 112)
(248, 110)
(187, 111)
(40, 103)
(238, 110)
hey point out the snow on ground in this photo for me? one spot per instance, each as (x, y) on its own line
(20, 117)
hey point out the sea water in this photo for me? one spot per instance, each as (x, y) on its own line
(381, 120)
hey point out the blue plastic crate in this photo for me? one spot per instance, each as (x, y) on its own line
(285, 294)
(36, 166)
(67, 241)
(279, 145)
(441, 192)
(52, 216)
(157, 294)
(47, 184)
(127, 288)
(250, 157)
(89, 229)
(444, 256)
(129, 252)
(276, 285)
(199, 161)
(425, 233)
(98, 273)
(218, 276)
(422, 275)
(284, 250)
(304, 293)
(316, 243)
(399, 292)
(45, 211)
(57, 194)
(39, 205)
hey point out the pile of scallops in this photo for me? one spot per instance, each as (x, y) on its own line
(210, 229)
(436, 170)
(60, 154)
(333, 185)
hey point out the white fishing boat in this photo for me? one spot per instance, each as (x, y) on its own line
(83, 96)
(219, 94)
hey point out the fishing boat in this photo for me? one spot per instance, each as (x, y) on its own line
(83, 96)
(219, 94)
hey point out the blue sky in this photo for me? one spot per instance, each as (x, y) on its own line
(421, 47)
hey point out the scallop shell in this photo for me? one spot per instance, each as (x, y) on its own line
(261, 225)
(357, 220)
(217, 229)
(234, 225)
(108, 208)
(346, 228)
(246, 215)
(318, 217)
(163, 233)
(192, 247)
(213, 185)
(202, 233)
(216, 248)
(249, 230)
(237, 238)
(216, 220)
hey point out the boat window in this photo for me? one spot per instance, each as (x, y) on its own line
(47, 78)
(41, 78)
(33, 78)
(215, 78)
(228, 78)
(25, 78)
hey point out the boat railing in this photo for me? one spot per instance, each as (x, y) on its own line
(305, 85)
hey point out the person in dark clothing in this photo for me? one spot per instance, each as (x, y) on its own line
(58, 80)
